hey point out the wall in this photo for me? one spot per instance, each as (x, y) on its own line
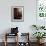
(29, 15)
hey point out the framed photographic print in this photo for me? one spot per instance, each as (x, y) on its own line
(17, 13)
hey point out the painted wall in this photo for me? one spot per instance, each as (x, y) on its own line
(29, 15)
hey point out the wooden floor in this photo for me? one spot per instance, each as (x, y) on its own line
(13, 44)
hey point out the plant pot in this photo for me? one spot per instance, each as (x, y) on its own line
(40, 41)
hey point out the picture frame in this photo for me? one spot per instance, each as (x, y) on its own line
(17, 13)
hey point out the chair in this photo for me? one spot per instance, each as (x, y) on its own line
(10, 35)
(14, 32)
(26, 37)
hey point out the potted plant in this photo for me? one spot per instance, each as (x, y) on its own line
(38, 27)
(39, 35)
(42, 27)
(35, 26)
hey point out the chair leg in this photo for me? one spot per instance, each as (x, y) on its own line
(5, 43)
(17, 40)
(5, 40)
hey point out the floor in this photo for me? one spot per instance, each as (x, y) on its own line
(13, 44)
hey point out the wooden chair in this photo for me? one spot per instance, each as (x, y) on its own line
(8, 34)
(27, 43)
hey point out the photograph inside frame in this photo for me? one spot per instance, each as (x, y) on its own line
(17, 13)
